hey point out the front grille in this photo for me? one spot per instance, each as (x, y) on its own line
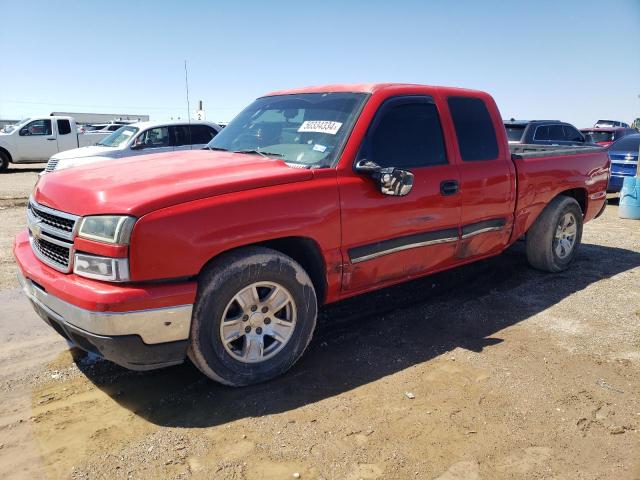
(61, 223)
(52, 233)
(51, 165)
(57, 254)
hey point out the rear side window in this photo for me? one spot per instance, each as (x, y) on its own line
(542, 133)
(474, 129)
(192, 134)
(407, 135)
(64, 127)
(556, 133)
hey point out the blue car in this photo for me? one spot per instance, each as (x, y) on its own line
(624, 160)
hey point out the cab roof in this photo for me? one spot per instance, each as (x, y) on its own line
(366, 88)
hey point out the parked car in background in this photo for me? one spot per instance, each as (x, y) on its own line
(610, 123)
(307, 197)
(544, 132)
(624, 160)
(35, 140)
(605, 136)
(140, 138)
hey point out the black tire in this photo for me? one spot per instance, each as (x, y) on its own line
(4, 162)
(541, 237)
(218, 285)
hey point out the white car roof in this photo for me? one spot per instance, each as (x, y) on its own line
(150, 124)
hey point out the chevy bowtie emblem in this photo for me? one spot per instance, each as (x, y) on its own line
(36, 229)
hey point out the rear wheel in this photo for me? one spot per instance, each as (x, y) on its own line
(4, 162)
(254, 316)
(554, 238)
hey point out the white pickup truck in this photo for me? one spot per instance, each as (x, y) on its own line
(35, 140)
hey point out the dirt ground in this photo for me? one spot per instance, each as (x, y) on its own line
(490, 371)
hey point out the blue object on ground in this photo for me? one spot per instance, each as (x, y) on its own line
(630, 198)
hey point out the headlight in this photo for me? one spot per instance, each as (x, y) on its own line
(101, 268)
(107, 228)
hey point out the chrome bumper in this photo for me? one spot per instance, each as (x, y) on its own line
(152, 326)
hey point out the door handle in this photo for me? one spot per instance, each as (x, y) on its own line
(449, 187)
(51, 139)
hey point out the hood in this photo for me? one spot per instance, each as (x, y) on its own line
(139, 185)
(91, 151)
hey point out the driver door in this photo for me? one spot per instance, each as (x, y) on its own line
(37, 141)
(390, 238)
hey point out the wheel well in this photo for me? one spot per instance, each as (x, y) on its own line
(580, 195)
(6, 152)
(306, 252)
(303, 250)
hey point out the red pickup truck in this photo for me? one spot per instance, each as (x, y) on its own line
(307, 197)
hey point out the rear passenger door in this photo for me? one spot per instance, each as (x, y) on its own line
(186, 137)
(487, 185)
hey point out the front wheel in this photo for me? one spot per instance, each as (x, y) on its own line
(254, 316)
(554, 238)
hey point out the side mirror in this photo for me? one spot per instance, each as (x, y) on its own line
(391, 181)
(588, 138)
(24, 132)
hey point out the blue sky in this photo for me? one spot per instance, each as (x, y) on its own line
(572, 60)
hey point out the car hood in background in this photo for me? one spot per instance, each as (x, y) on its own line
(92, 151)
(139, 185)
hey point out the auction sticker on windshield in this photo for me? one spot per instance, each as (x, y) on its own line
(320, 126)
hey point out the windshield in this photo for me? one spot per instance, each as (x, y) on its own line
(119, 137)
(514, 132)
(307, 129)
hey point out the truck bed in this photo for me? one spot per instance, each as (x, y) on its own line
(523, 151)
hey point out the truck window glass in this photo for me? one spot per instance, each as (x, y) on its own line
(542, 133)
(408, 136)
(37, 127)
(306, 129)
(571, 134)
(556, 133)
(515, 132)
(64, 127)
(201, 134)
(154, 137)
(119, 137)
(474, 129)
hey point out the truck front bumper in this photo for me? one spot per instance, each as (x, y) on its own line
(138, 339)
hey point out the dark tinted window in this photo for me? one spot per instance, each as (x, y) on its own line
(408, 135)
(571, 134)
(556, 133)
(542, 133)
(64, 127)
(474, 128)
(192, 135)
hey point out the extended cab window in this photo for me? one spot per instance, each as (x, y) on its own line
(406, 135)
(64, 127)
(37, 127)
(556, 133)
(474, 129)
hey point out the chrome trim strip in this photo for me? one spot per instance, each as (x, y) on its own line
(51, 211)
(153, 326)
(33, 220)
(403, 247)
(482, 230)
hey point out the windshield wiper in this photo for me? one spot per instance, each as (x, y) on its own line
(264, 153)
(219, 149)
